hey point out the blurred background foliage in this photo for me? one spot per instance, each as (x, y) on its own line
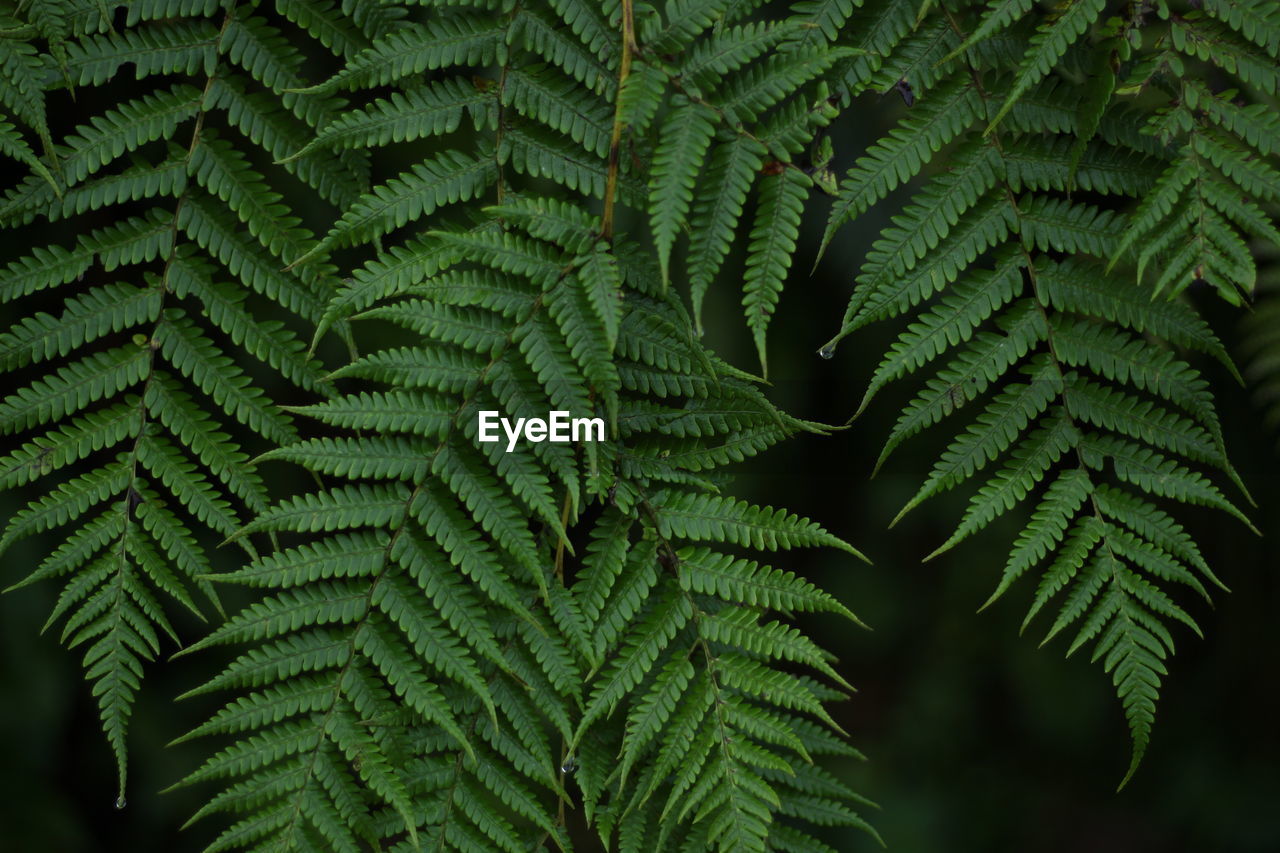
(975, 741)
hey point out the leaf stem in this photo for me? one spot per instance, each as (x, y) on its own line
(615, 139)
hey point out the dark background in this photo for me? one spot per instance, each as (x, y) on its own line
(976, 739)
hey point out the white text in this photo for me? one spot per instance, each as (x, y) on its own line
(557, 427)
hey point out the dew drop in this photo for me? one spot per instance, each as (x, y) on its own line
(828, 352)
(570, 765)
(120, 803)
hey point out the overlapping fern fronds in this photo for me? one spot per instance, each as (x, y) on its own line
(718, 106)
(474, 648)
(472, 637)
(1083, 151)
(32, 36)
(508, 206)
(156, 249)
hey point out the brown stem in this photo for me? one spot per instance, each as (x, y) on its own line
(615, 140)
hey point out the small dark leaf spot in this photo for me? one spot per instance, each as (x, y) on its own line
(133, 499)
(904, 89)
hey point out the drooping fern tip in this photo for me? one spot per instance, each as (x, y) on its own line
(1076, 154)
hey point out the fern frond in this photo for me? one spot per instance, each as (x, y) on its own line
(1023, 296)
(683, 143)
(126, 339)
(487, 618)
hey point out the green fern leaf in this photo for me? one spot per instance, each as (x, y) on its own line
(1082, 402)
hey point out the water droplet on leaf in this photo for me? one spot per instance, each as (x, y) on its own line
(120, 803)
(828, 352)
(570, 765)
